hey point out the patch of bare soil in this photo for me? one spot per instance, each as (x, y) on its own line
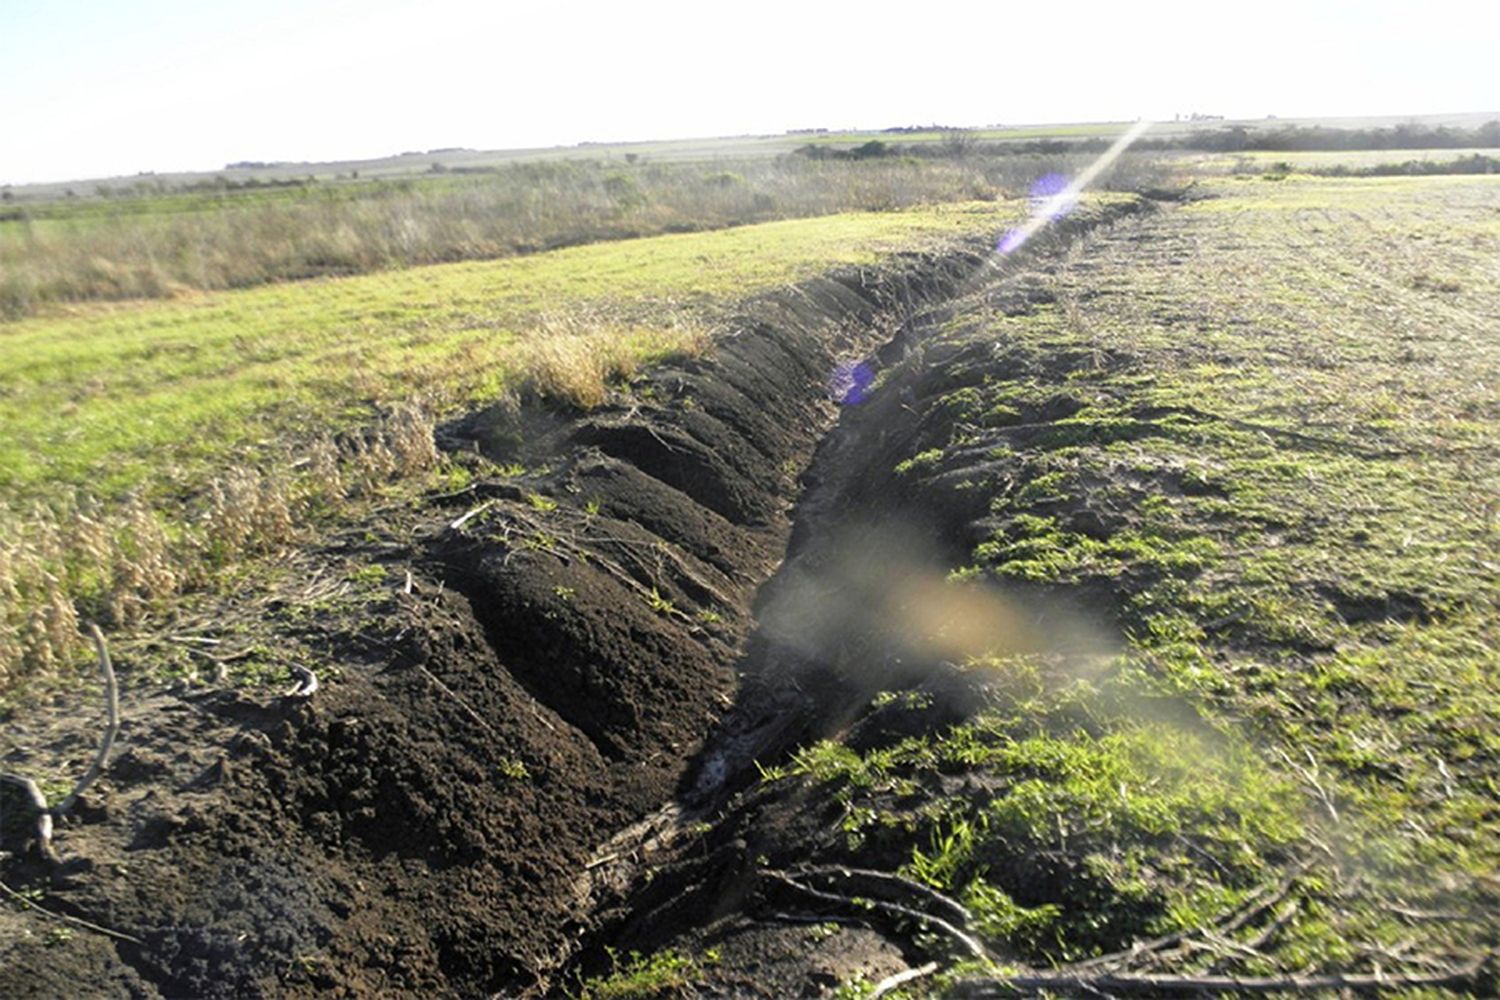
(553, 682)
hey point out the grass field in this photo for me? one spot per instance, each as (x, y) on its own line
(1258, 436)
(155, 245)
(117, 397)
(139, 410)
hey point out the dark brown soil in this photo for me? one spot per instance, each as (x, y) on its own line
(508, 764)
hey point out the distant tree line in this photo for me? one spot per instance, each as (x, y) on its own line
(1474, 163)
(1319, 138)
(1233, 139)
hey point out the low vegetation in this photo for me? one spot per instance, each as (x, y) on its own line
(657, 976)
(1259, 445)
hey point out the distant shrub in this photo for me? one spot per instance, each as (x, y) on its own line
(1475, 163)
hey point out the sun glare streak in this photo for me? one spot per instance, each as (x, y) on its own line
(1053, 201)
(1052, 196)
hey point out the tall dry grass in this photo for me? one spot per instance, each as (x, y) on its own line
(75, 558)
(573, 357)
(122, 250)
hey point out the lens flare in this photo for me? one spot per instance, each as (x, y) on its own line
(1049, 193)
(1051, 200)
(851, 382)
(1012, 240)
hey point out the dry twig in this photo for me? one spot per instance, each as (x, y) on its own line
(969, 943)
(1066, 981)
(111, 725)
(13, 894)
(899, 979)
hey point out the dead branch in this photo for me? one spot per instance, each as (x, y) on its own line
(969, 943)
(1178, 943)
(111, 724)
(956, 911)
(1438, 915)
(13, 894)
(816, 918)
(1279, 921)
(464, 518)
(1310, 777)
(899, 979)
(453, 697)
(1009, 986)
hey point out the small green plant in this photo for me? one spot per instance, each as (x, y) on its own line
(57, 936)
(541, 503)
(771, 773)
(566, 593)
(646, 977)
(368, 575)
(542, 541)
(857, 987)
(659, 604)
(823, 931)
(513, 768)
(451, 478)
(926, 460)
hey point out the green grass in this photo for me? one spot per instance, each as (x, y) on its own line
(1256, 437)
(647, 977)
(157, 394)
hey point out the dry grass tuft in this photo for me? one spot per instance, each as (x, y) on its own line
(574, 359)
(77, 559)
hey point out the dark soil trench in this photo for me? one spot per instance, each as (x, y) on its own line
(549, 747)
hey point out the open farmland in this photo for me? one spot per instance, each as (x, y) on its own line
(136, 407)
(771, 610)
(118, 397)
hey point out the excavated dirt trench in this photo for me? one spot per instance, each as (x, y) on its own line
(528, 757)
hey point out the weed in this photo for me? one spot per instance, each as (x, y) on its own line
(658, 604)
(645, 977)
(369, 575)
(513, 769)
(541, 503)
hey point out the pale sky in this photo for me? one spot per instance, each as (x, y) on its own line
(92, 88)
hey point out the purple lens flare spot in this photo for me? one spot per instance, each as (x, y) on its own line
(851, 382)
(1011, 241)
(1047, 185)
(1049, 194)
